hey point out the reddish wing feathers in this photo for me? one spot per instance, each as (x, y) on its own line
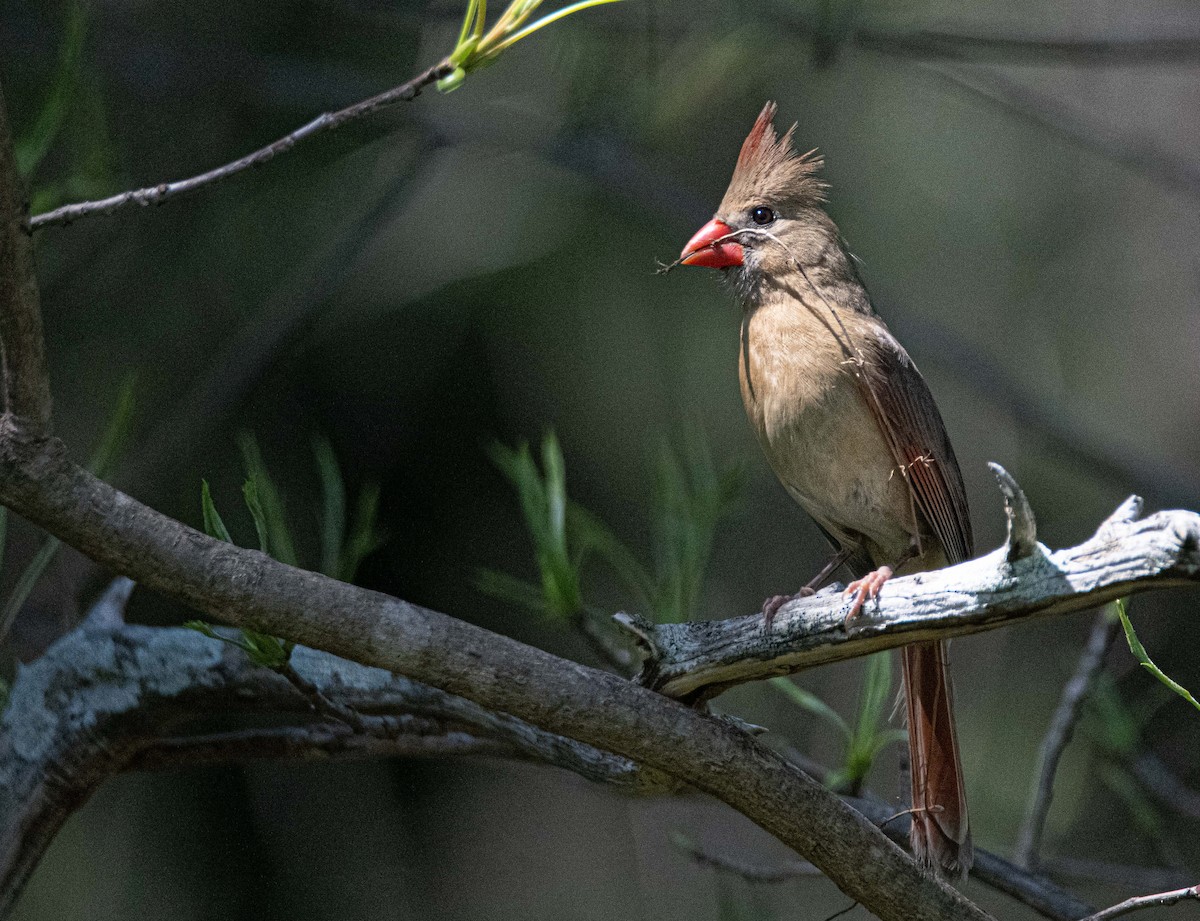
(909, 419)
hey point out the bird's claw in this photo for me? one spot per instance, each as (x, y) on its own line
(866, 589)
(772, 605)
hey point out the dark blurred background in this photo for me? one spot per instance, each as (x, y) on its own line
(480, 266)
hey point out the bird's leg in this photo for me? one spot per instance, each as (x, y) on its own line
(772, 605)
(867, 588)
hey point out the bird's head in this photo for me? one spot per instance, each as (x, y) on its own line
(771, 214)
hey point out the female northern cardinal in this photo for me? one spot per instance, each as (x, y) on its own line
(851, 430)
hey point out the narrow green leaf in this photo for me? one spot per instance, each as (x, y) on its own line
(270, 500)
(213, 525)
(333, 508)
(809, 701)
(250, 494)
(1139, 652)
(116, 434)
(365, 537)
(32, 148)
(549, 18)
(511, 590)
(590, 534)
(25, 583)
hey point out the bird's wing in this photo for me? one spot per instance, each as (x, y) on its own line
(912, 426)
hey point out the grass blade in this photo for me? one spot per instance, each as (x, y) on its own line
(271, 502)
(1139, 652)
(213, 525)
(333, 508)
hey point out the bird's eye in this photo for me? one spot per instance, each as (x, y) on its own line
(762, 215)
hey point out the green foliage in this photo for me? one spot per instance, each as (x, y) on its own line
(692, 497)
(341, 552)
(73, 105)
(31, 149)
(870, 734)
(478, 46)
(104, 458)
(543, 499)
(265, 503)
(1139, 652)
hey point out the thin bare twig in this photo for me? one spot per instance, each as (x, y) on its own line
(319, 741)
(1161, 782)
(327, 121)
(1062, 727)
(1158, 900)
(748, 871)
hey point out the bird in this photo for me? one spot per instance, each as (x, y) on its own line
(851, 429)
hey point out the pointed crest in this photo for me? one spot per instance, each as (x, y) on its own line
(768, 167)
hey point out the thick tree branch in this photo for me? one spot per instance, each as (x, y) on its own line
(107, 698)
(247, 588)
(327, 121)
(135, 690)
(1019, 581)
(26, 382)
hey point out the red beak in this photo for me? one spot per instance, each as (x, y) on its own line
(704, 249)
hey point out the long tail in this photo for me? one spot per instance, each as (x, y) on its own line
(941, 835)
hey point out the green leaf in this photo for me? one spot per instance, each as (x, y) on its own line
(333, 508)
(262, 649)
(116, 434)
(809, 701)
(213, 525)
(365, 537)
(250, 495)
(1139, 652)
(591, 535)
(543, 500)
(510, 589)
(33, 147)
(271, 502)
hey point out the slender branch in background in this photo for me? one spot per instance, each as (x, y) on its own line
(1162, 783)
(1062, 727)
(1159, 900)
(1128, 149)
(26, 382)
(328, 121)
(1125, 876)
(318, 742)
(1013, 49)
(748, 871)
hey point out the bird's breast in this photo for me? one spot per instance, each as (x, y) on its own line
(817, 431)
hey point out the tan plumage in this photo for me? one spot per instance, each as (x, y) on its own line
(850, 428)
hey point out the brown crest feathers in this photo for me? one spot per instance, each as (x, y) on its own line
(769, 168)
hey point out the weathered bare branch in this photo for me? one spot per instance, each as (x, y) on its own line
(164, 191)
(109, 697)
(1126, 555)
(26, 382)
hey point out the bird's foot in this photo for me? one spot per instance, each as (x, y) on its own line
(772, 605)
(866, 589)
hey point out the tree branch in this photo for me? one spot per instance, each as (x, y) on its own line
(327, 121)
(136, 689)
(1162, 899)
(26, 382)
(1019, 581)
(1062, 727)
(249, 589)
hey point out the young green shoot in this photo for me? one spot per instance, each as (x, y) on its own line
(479, 46)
